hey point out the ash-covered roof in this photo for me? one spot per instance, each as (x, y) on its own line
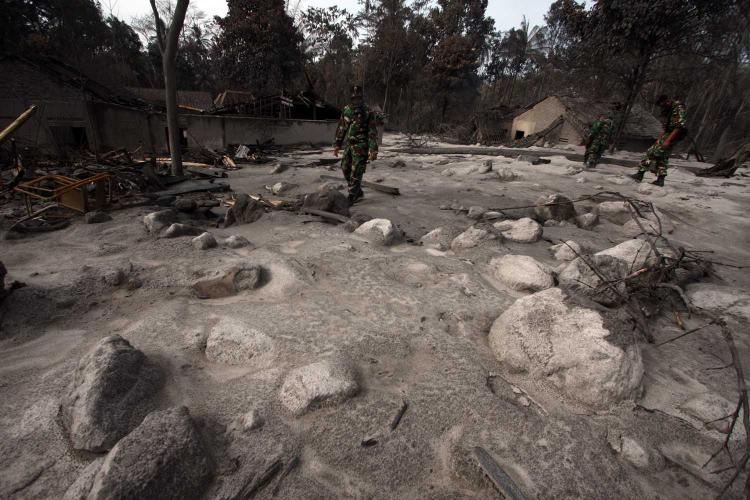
(640, 125)
(190, 98)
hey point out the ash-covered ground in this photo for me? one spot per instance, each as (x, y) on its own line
(317, 356)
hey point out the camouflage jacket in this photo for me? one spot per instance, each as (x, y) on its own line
(358, 126)
(601, 131)
(676, 117)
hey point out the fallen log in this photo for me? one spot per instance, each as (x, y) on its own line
(372, 185)
(727, 167)
(324, 214)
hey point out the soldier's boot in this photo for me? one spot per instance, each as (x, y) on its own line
(638, 176)
(659, 181)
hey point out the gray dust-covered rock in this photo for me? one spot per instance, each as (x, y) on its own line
(587, 221)
(616, 212)
(635, 253)
(233, 281)
(163, 458)
(523, 230)
(579, 278)
(282, 187)
(178, 230)
(476, 212)
(470, 238)
(245, 210)
(111, 392)
(235, 241)
(437, 238)
(554, 207)
(720, 299)
(566, 251)
(569, 346)
(507, 174)
(325, 382)
(522, 273)
(204, 241)
(328, 200)
(156, 221)
(246, 422)
(233, 342)
(378, 231)
(96, 217)
(185, 205)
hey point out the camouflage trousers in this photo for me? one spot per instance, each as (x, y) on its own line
(594, 152)
(354, 164)
(657, 157)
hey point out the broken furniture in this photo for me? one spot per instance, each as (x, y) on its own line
(81, 195)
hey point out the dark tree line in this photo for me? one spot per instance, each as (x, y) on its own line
(426, 63)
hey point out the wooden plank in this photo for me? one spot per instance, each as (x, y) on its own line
(324, 214)
(193, 186)
(15, 124)
(372, 185)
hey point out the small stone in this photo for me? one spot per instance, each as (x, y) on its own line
(573, 170)
(524, 401)
(523, 230)
(379, 231)
(235, 280)
(235, 241)
(555, 206)
(486, 167)
(476, 212)
(324, 382)
(282, 187)
(204, 241)
(398, 164)
(156, 221)
(96, 217)
(246, 422)
(233, 342)
(437, 238)
(507, 174)
(177, 230)
(185, 205)
(470, 238)
(587, 221)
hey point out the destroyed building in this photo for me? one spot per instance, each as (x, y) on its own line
(77, 112)
(566, 120)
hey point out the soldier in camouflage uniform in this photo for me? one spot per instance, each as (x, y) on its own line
(657, 156)
(358, 128)
(599, 136)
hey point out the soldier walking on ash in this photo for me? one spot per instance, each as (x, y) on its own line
(675, 128)
(600, 134)
(358, 134)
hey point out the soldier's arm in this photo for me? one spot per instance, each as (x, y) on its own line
(343, 127)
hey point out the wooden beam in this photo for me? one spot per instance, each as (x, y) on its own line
(22, 118)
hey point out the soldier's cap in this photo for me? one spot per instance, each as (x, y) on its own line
(357, 91)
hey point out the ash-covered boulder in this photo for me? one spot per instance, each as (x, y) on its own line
(567, 251)
(554, 207)
(551, 339)
(438, 238)
(163, 458)
(587, 220)
(476, 212)
(616, 212)
(635, 253)
(244, 211)
(580, 278)
(236, 279)
(379, 231)
(112, 391)
(234, 342)
(235, 241)
(523, 230)
(177, 230)
(328, 200)
(522, 273)
(156, 221)
(470, 238)
(326, 382)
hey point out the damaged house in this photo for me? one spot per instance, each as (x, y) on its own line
(77, 112)
(566, 120)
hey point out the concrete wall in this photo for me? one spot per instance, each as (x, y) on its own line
(538, 117)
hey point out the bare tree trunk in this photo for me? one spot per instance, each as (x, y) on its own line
(636, 83)
(168, 41)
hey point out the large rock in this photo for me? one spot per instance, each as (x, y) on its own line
(720, 299)
(554, 207)
(378, 231)
(233, 281)
(111, 392)
(233, 342)
(470, 238)
(523, 230)
(567, 251)
(635, 253)
(616, 212)
(521, 272)
(163, 458)
(550, 339)
(156, 221)
(437, 238)
(236, 241)
(579, 278)
(204, 241)
(328, 200)
(244, 211)
(326, 382)
(587, 221)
